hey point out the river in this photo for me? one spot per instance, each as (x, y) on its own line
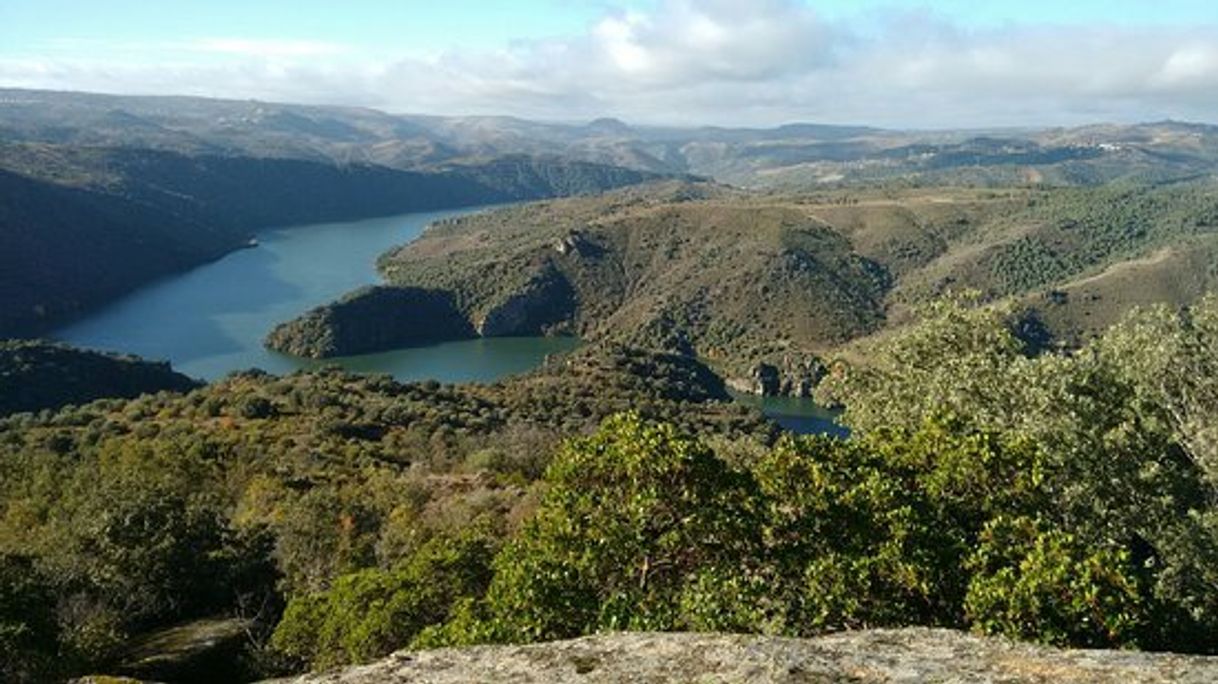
(211, 320)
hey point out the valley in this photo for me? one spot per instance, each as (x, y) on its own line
(210, 321)
(413, 381)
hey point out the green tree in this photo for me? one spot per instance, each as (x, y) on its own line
(1120, 429)
(635, 524)
(372, 612)
(1170, 359)
(1029, 582)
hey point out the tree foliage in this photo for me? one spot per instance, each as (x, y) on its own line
(634, 521)
(1063, 498)
(371, 612)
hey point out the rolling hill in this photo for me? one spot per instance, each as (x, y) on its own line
(765, 286)
(791, 156)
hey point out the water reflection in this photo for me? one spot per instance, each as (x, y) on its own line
(799, 415)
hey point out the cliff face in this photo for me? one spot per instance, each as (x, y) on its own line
(369, 320)
(546, 299)
(793, 376)
(901, 655)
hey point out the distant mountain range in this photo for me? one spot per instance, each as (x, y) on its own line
(792, 155)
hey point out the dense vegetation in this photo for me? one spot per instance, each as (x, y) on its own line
(1066, 499)
(124, 515)
(36, 375)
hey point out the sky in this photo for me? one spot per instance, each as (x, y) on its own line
(894, 63)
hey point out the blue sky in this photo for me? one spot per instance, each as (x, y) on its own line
(45, 26)
(895, 62)
(32, 26)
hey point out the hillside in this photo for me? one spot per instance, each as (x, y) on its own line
(38, 375)
(791, 156)
(81, 225)
(64, 250)
(688, 268)
(764, 285)
(370, 320)
(869, 656)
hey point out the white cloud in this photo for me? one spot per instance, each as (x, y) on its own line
(716, 61)
(686, 40)
(1191, 66)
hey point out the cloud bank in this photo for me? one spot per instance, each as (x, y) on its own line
(716, 61)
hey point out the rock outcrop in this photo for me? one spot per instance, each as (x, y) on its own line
(200, 651)
(901, 655)
(791, 376)
(545, 300)
(372, 319)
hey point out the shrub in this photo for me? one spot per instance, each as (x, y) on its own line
(372, 612)
(1042, 584)
(631, 522)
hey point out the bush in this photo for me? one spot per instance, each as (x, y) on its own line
(631, 522)
(372, 612)
(1042, 584)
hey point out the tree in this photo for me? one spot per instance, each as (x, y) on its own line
(1044, 584)
(635, 527)
(369, 613)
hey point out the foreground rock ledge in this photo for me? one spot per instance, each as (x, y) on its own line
(901, 655)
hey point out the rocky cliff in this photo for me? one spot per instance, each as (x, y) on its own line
(372, 319)
(788, 375)
(901, 655)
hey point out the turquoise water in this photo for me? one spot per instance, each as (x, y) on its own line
(796, 414)
(211, 320)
